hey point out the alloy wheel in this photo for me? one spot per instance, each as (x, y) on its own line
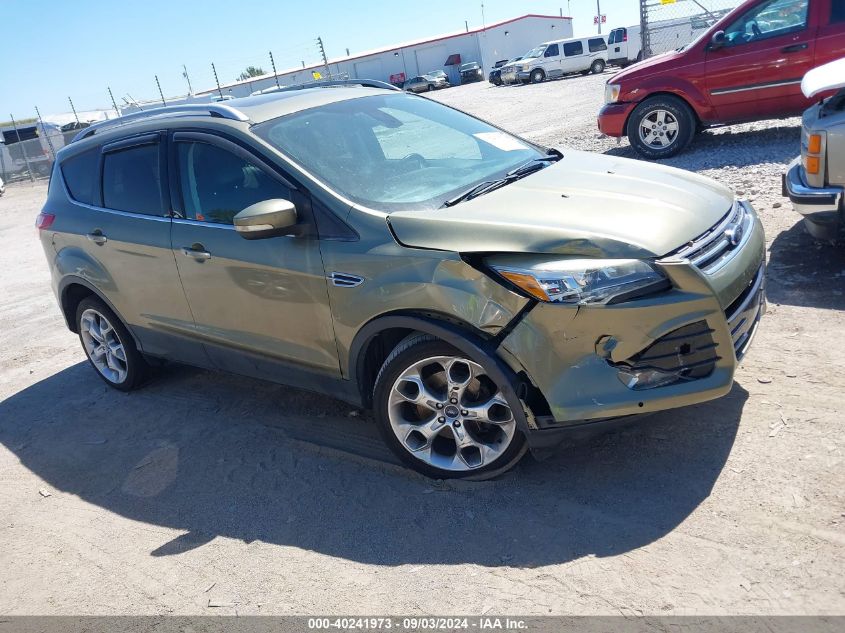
(448, 413)
(659, 129)
(103, 346)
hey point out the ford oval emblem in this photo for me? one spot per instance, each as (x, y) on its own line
(734, 234)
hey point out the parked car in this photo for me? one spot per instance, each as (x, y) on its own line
(563, 57)
(471, 71)
(438, 74)
(495, 76)
(481, 293)
(425, 83)
(747, 67)
(815, 181)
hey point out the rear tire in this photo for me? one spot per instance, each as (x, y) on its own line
(430, 87)
(597, 67)
(443, 415)
(537, 76)
(661, 127)
(109, 346)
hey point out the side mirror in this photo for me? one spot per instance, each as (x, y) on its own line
(268, 218)
(718, 40)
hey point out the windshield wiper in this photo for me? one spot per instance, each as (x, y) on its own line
(514, 174)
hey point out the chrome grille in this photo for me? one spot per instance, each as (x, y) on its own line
(711, 250)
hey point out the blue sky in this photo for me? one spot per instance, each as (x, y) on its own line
(53, 49)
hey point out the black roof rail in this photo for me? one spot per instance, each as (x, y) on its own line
(330, 83)
(208, 109)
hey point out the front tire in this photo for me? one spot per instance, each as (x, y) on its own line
(661, 127)
(443, 415)
(597, 67)
(537, 76)
(108, 345)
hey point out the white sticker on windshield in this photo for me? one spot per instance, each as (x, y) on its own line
(501, 141)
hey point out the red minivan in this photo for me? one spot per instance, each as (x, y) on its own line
(746, 67)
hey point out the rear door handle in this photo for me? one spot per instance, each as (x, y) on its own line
(794, 48)
(197, 252)
(97, 237)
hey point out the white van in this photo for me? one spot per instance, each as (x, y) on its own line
(563, 57)
(624, 46)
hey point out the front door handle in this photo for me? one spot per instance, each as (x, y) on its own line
(197, 252)
(97, 237)
(794, 48)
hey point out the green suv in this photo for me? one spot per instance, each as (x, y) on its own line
(483, 295)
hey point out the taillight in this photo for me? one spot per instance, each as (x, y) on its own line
(625, 37)
(44, 221)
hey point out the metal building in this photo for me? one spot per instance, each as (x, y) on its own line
(486, 45)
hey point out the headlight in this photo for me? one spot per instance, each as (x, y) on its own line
(526, 67)
(581, 281)
(611, 93)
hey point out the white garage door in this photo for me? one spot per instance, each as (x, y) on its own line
(369, 69)
(431, 58)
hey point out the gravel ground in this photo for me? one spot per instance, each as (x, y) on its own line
(213, 494)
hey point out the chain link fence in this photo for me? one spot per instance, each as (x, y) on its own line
(669, 24)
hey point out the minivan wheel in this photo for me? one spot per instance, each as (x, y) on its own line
(661, 127)
(443, 415)
(109, 346)
(537, 75)
(597, 66)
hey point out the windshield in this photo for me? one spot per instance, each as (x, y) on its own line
(395, 151)
(535, 52)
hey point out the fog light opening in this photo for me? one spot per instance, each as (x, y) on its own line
(639, 379)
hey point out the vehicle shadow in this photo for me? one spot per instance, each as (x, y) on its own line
(732, 146)
(212, 455)
(804, 271)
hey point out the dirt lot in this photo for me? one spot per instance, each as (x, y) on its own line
(213, 494)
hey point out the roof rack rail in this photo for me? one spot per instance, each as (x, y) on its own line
(208, 109)
(329, 83)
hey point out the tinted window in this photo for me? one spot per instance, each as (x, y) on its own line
(837, 11)
(573, 48)
(80, 174)
(552, 51)
(769, 19)
(597, 44)
(132, 180)
(217, 184)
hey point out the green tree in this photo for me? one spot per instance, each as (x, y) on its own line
(251, 71)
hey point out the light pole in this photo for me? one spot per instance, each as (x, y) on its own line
(598, 10)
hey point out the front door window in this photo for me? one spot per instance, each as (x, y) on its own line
(770, 19)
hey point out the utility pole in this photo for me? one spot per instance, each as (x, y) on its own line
(273, 64)
(216, 80)
(23, 149)
(47, 136)
(75, 116)
(187, 78)
(323, 55)
(598, 11)
(111, 96)
(483, 21)
(163, 102)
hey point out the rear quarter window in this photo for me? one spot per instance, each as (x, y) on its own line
(597, 44)
(573, 48)
(80, 175)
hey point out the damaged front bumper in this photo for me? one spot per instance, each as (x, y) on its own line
(681, 347)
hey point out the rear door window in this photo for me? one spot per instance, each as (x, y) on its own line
(132, 180)
(597, 44)
(570, 49)
(552, 51)
(837, 11)
(80, 175)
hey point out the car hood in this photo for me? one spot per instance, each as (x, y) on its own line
(646, 67)
(585, 204)
(823, 78)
